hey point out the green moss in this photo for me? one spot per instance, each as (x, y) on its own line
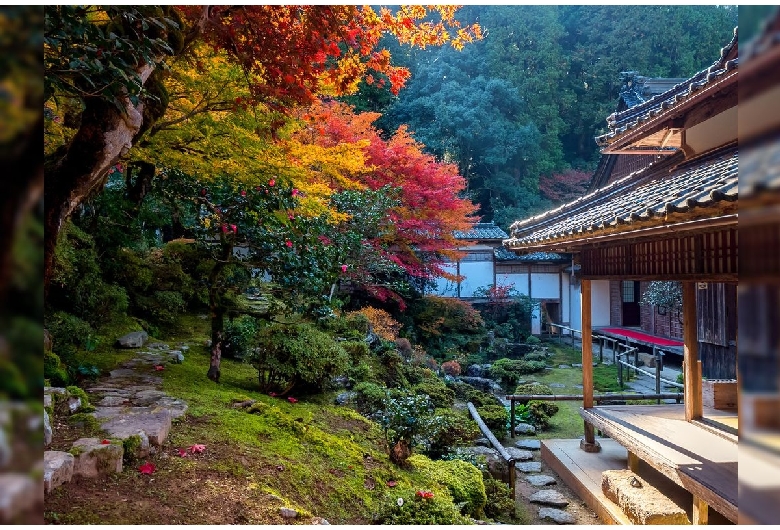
(132, 446)
(462, 479)
(86, 421)
(77, 392)
(76, 450)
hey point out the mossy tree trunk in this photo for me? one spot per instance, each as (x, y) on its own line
(217, 309)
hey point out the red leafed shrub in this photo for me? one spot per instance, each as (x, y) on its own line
(451, 368)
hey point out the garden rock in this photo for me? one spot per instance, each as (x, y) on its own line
(478, 370)
(529, 444)
(158, 346)
(57, 469)
(519, 454)
(556, 516)
(18, 493)
(135, 339)
(319, 520)
(480, 383)
(176, 357)
(482, 442)
(74, 404)
(557, 385)
(525, 428)
(95, 458)
(550, 498)
(47, 400)
(540, 480)
(288, 513)
(344, 398)
(47, 433)
(112, 401)
(529, 467)
(564, 366)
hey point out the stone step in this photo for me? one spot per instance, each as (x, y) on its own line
(552, 498)
(57, 469)
(540, 480)
(640, 501)
(529, 444)
(557, 516)
(94, 458)
(124, 422)
(529, 467)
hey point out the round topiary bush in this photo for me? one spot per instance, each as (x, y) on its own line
(441, 396)
(495, 418)
(407, 506)
(534, 388)
(462, 479)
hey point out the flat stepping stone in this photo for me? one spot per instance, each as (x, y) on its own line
(158, 346)
(123, 372)
(176, 407)
(564, 366)
(519, 454)
(557, 516)
(94, 458)
(112, 401)
(529, 444)
(57, 469)
(540, 480)
(529, 467)
(549, 498)
(124, 422)
(147, 397)
(525, 428)
(18, 493)
(557, 385)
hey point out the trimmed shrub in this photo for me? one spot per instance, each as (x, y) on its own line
(440, 395)
(541, 412)
(509, 371)
(53, 370)
(463, 480)
(500, 505)
(466, 392)
(532, 339)
(240, 337)
(451, 428)
(369, 397)
(534, 388)
(535, 356)
(495, 418)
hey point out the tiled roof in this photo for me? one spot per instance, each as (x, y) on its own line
(637, 89)
(646, 195)
(502, 254)
(480, 231)
(622, 123)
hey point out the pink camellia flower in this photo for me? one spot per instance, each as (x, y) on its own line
(147, 468)
(159, 368)
(391, 483)
(224, 229)
(106, 442)
(295, 192)
(243, 193)
(292, 399)
(257, 188)
(197, 448)
(288, 243)
(344, 268)
(233, 228)
(182, 453)
(272, 394)
(424, 494)
(291, 216)
(271, 182)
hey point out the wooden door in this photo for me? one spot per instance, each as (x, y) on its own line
(630, 295)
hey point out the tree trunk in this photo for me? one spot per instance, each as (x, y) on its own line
(218, 311)
(106, 134)
(400, 452)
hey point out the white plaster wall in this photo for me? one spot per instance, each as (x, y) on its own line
(536, 320)
(575, 305)
(445, 287)
(477, 274)
(565, 298)
(599, 295)
(545, 285)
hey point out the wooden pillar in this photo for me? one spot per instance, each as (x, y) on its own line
(701, 511)
(691, 370)
(633, 462)
(588, 443)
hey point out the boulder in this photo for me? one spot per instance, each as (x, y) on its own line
(47, 400)
(529, 444)
(288, 513)
(485, 385)
(47, 433)
(94, 458)
(345, 398)
(57, 469)
(134, 339)
(18, 493)
(525, 428)
(74, 404)
(176, 357)
(482, 442)
(540, 480)
(557, 516)
(640, 501)
(159, 346)
(549, 498)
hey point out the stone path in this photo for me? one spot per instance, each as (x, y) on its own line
(131, 407)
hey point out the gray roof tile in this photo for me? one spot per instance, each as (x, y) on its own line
(481, 231)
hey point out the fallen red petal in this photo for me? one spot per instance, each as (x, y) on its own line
(147, 468)
(392, 483)
(105, 442)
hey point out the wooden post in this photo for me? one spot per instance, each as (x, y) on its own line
(588, 443)
(693, 403)
(512, 419)
(701, 511)
(633, 462)
(601, 349)
(657, 373)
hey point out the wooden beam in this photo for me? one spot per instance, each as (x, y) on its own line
(691, 370)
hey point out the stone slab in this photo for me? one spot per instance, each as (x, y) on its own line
(540, 480)
(57, 469)
(47, 432)
(525, 428)
(552, 498)
(134, 339)
(640, 501)
(557, 516)
(519, 454)
(529, 444)
(18, 493)
(529, 467)
(123, 422)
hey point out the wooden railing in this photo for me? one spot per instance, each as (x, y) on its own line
(510, 461)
